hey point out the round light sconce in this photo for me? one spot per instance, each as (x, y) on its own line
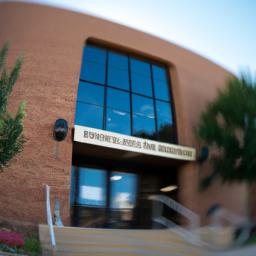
(203, 154)
(60, 129)
(60, 132)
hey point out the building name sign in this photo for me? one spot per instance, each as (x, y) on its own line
(129, 143)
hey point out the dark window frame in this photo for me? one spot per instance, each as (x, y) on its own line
(153, 97)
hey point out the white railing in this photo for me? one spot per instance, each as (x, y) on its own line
(49, 217)
(223, 217)
(190, 234)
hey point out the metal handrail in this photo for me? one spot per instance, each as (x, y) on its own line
(191, 234)
(49, 217)
(191, 216)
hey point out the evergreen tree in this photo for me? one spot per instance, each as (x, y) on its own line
(228, 126)
(11, 126)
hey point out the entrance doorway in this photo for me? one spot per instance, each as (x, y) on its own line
(103, 197)
(116, 197)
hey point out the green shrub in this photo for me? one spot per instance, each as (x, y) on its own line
(32, 246)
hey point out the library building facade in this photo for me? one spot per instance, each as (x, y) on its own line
(130, 103)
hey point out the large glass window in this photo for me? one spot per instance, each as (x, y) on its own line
(143, 106)
(89, 115)
(141, 77)
(119, 100)
(118, 117)
(118, 75)
(94, 65)
(118, 121)
(160, 83)
(90, 93)
(144, 127)
(92, 187)
(124, 94)
(89, 106)
(143, 117)
(164, 121)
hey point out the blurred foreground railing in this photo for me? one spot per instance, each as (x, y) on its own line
(49, 217)
(191, 234)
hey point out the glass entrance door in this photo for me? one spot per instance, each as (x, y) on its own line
(123, 195)
(118, 198)
(88, 197)
(103, 198)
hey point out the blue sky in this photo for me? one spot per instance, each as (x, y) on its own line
(221, 30)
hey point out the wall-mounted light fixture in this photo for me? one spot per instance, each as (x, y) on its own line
(203, 154)
(60, 131)
(169, 188)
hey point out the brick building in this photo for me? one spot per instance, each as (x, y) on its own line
(132, 102)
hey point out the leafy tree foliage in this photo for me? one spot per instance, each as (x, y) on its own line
(228, 126)
(11, 126)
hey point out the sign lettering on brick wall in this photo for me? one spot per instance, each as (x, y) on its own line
(129, 143)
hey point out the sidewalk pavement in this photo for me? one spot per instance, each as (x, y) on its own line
(242, 251)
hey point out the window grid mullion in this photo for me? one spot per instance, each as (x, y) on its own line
(105, 94)
(124, 90)
(130, 92)
(154, 101)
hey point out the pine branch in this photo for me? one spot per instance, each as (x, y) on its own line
(3, 55)
(11, 128)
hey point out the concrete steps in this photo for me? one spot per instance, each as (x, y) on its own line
(99, 242)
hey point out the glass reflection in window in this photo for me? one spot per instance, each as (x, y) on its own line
(118, 70)
(93, 65)
(118, 121)
(90, 93)
(163, 111)
(94, 54)
(118, 78)
(140, 67)
(123, 190)
(143, 106)
(144, 127)
(125, 85)
(141, 77)
(91, 187)
(166, 131)
(89, 115)
(164, 122)
(118, 60)
(119, 100)
(93, 72)
(161, 83)
(159, 73)
(141, 84)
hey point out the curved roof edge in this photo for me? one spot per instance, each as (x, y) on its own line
(50, 4)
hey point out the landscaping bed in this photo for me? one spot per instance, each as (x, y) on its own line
(14, 243)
